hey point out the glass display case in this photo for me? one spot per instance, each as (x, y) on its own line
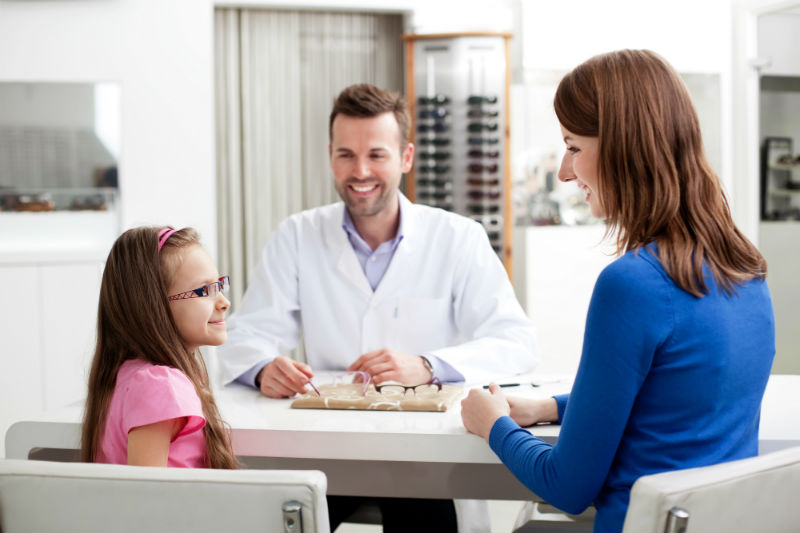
(780, 180)
(458, 91)
(27, 200)
(59, 146)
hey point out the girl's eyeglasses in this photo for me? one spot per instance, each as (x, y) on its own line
(210, 290)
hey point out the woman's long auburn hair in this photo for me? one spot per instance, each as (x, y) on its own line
(655, 184)
(134, 321)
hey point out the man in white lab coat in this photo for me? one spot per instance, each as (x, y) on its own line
(401, 291)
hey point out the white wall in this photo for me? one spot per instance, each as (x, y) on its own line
(161, 54)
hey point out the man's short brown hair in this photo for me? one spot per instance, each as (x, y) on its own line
(366, 101)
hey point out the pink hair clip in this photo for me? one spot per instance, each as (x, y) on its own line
(163, 235)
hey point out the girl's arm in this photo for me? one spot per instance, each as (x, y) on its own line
(149, 445)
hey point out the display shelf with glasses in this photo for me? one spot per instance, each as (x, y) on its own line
(780, 180)
(458, 91)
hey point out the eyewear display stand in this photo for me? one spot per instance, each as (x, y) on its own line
(780, 180)
(458, 92)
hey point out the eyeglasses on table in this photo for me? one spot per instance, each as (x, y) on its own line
(341, 384)
(206, 291)
(423, 390)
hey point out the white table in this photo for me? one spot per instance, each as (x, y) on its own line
(427, 455)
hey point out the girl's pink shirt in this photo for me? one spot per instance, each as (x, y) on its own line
(146, 394)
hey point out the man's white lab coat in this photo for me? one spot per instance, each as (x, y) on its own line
(444, 293)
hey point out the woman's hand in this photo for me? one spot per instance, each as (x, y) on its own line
(481, 409)
(527, 412)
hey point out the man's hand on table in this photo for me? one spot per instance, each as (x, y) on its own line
(283, 377)
(390, 365)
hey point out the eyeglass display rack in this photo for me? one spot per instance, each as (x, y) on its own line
(780, 180)
(458, 92)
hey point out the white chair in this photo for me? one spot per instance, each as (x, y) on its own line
(54, 496)
(757, 494)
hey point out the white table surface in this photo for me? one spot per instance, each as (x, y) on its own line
(399, 453)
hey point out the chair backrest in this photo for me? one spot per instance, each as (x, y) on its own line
(757, 494)
(52, 496)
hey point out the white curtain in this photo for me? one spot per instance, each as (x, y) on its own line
(277, 73)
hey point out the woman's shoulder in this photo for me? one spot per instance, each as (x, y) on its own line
(636, 267)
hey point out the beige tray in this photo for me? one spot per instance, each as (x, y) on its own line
(343, 398)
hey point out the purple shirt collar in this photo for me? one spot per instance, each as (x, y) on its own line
(374, 263)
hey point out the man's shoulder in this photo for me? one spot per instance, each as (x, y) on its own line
(428, 218)
(315, 216)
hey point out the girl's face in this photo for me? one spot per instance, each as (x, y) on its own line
(580, 165)
(201, 320)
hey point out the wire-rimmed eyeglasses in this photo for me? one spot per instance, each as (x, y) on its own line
(423, 390)
(210, 290)
(345, 384)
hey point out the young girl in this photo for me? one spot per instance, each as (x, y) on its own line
(149, 400)
(680, 334)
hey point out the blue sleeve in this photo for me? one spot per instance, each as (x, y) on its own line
(561, 404)
(629, 316)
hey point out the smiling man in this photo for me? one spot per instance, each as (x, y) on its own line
(375, 283)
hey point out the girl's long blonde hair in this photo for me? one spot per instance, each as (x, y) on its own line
(134, 321)
(655, 184)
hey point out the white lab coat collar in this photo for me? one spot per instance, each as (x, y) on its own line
(344, 257)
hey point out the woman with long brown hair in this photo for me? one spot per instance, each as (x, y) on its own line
(679, 337)
(149, 400)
